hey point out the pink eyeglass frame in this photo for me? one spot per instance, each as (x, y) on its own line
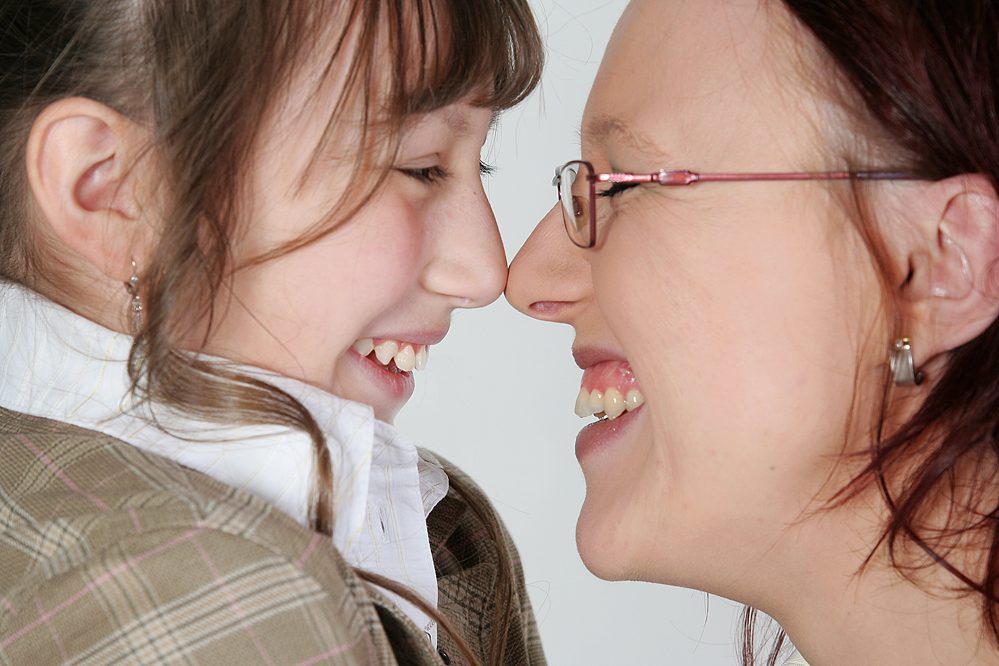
(682, 177)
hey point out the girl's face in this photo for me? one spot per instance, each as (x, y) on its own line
(425, 244)
(739, 309)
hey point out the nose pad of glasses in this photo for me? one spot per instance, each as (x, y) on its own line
(580, 213)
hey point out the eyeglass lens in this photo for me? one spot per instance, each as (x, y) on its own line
(574, 193)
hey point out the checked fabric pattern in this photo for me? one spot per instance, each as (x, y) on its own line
(110, 556)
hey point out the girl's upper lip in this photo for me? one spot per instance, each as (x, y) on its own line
(420, 338)
(586, 356)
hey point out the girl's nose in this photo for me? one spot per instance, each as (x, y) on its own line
(550, 277)
(468, 264)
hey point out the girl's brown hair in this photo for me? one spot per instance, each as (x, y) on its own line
(921, 80)
(202, 76)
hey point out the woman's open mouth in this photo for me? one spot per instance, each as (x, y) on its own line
(609, 389)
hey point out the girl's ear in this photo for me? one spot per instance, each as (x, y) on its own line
(950, 294)
(82, 170)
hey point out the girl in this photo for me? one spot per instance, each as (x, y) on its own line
(231, 231)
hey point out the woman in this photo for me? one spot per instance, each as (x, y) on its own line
(230, 231)
(797, 367)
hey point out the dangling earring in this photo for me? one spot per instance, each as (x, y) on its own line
(902, 368)
(132, 287)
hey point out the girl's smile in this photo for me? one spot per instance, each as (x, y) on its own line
(356, 312)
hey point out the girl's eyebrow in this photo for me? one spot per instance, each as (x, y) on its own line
(455, 119)
(457, 122)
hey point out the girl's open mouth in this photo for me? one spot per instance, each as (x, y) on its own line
(396, 356)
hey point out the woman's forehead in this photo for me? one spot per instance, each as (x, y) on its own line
(709, 75)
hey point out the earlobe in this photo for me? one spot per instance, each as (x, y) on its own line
(79, 166)
(950, 295)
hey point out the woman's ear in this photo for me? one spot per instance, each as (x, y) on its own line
(81, 164)
(950, 294)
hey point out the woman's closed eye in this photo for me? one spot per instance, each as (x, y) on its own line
(616, 189)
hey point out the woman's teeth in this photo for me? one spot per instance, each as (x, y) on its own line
(407, 356)
(609, 389)
(610, 403)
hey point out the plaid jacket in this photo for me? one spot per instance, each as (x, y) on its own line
(113, 556)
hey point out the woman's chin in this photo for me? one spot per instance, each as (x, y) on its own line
(616, 517)
(606, 549)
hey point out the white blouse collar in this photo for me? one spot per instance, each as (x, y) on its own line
(61, 366)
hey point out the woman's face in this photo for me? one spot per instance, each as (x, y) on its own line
(739, 309)
(390, 277)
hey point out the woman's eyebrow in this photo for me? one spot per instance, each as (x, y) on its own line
(603, 129)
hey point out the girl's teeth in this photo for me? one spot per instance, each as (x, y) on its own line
(405, 360)
(407, 356)
(365, 346)
(386, 351)
(610, 404)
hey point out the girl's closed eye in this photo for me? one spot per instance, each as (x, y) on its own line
(430, 174)
(436, 173)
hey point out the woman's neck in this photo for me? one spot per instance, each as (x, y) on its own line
(842, 612)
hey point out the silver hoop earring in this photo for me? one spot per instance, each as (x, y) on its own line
(903, 369)
(132, 287)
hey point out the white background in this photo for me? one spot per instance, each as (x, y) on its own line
(498, 394)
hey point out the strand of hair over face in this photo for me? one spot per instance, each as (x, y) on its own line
(202, 77)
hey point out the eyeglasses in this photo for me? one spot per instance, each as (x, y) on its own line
(577, 189)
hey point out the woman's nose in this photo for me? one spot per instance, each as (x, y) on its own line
(468, 264)
(550, 277)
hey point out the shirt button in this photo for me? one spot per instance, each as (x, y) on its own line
(444, 657)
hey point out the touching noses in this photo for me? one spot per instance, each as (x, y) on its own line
(468, 264)
(550, 277)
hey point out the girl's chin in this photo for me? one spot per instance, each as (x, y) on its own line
(364, 380)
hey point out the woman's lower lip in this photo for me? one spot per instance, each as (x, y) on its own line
(398, 386)
(603, 433)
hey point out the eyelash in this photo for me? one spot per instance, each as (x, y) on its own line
(616, 189)
(436, 174)
(429, 175)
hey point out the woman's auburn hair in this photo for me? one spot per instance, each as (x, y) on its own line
(203, 75)
(920, 78)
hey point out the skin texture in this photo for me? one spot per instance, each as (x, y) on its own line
(752, 316)
(417, 251)
(660, 290)
(425, 244)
